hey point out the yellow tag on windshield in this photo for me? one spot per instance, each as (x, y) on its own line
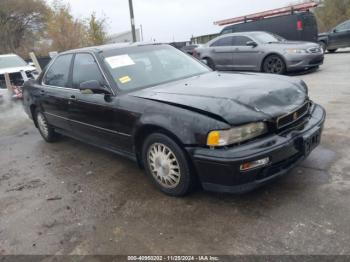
(124, 79)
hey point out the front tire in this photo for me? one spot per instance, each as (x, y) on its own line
(210, 63)
(332, 50)
(274, 64)
(46, 131)
(323, 45)
(167, 166)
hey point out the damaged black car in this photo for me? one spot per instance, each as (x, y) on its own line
(182, 122)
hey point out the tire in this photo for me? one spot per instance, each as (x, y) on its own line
(210, 63)
(166, 165)
(332, 50)
(46, 131)
(323, 45)
(274, 64)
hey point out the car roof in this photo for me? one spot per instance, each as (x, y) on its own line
(107, 47)
(245, 33)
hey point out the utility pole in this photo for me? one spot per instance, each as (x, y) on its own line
(131, 8)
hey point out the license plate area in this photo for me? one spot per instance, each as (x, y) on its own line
(310, 141)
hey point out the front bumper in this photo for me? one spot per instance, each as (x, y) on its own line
(219, 169)
(296, 62)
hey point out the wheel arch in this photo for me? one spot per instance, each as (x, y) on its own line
(144, 131)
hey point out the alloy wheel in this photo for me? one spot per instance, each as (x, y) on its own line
(164, 165)
(274, 65)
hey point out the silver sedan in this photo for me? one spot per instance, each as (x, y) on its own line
(260, 51)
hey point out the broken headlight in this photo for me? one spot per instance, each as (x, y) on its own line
(236, 134)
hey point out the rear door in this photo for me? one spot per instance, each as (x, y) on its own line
(245, 57)
(222, 53)
(95, 117)
(56, 91)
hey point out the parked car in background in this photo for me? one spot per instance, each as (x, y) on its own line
(177, 118)
(190, 49)
(261, 52)
(338, 37)
(13, 65)
(297, 27)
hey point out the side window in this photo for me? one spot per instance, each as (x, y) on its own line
(343, 27)
(227, 31)
(58, 73)
(85, 69)
(226, 41)
(241, 40)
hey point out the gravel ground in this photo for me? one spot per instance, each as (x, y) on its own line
(71, 198)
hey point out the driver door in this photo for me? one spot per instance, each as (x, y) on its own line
(341, 36)
(95, 118)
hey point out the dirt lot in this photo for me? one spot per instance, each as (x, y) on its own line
(70, 198)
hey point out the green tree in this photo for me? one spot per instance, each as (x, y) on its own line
(97, 32)
(64, 31)
(332, 12)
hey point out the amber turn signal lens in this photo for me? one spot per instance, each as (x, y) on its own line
(213, 138)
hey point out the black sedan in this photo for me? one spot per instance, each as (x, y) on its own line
(177, 118)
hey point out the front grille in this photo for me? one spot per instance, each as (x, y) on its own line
(294, 116)
(316, 60)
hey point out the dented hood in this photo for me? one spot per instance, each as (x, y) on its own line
(233, 97)
(11, 70)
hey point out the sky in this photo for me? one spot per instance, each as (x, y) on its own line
(171, 20)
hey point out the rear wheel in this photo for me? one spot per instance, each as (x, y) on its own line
(166, 164)
(46, 131)
(210, 63)
(332, 50)
(323, 45)
(274, 64)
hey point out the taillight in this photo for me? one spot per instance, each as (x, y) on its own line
(300, 25)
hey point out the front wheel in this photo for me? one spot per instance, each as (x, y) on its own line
(167, 165)
(210, 63)
(274, 64)
(323, 46)
(332, 50)
(46, 131)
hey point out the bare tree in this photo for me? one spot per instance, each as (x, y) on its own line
(21, 24)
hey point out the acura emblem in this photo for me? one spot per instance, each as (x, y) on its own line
(295, 116)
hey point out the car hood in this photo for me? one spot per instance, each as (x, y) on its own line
(295, 44)
(11, 70)
(235, 98)
(323, 34)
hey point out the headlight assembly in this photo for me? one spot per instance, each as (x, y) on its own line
(296, 51)
(236, 134)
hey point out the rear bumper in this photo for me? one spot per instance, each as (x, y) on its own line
(219, 169)
(303, 61)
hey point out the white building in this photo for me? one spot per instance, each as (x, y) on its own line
(124, 37)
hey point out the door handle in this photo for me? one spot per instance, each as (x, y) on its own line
(73, 97)
(42, 92)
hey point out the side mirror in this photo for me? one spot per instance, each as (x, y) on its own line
(252, 44)
(335, 30)
(94, 86)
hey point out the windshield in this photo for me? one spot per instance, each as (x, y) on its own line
(9, 61)
(151, 65)
(268, 38)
